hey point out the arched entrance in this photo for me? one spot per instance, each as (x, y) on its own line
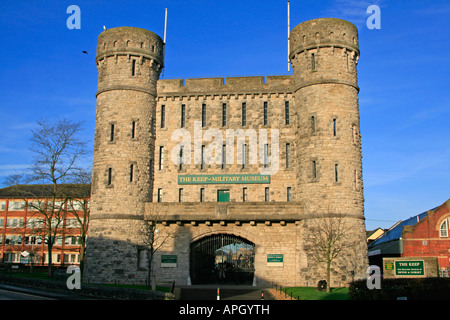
(222, 259)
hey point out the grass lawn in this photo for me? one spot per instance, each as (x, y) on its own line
(311, 293)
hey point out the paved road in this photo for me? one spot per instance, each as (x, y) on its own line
(227, 293)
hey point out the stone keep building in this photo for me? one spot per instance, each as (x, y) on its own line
(189, 158)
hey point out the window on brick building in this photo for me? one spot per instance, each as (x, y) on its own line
(443, 230)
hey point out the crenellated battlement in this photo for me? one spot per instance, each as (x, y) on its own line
(229, 85)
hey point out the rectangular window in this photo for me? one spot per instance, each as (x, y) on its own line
(163, 116)
(313, 61)
(133, 129)
(224, 115)
(289, 194)
(109, 176)
(334, 127)
(288, 154)
(159, 195)
(265, 113)
(286, 112)
(2, 205)
(183, 116)
(203, 115)
(16, 205)
(180, 195)
(111, 132)
(161, 158)
(202, 194)
(131, 172)
(266, 194)
(142, 259)
(244, 114)
(244, 195)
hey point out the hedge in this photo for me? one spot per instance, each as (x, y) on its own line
(412, 289)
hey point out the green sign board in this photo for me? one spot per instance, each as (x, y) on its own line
(275, 259)
(223, 179)
(409, 268)
(169, 261)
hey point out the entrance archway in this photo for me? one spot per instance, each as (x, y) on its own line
(222, 259)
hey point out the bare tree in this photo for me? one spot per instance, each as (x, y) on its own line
(153, 238)
(78, 206)
(326, 239)
(57, 152)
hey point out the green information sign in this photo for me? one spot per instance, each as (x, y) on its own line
(409, 268)
(223, 179)
(275, 260)
(169, 261)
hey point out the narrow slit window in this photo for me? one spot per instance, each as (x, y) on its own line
(202, 194)
(109, 176)
(161, 158)
(133, 67)
(163, 116)
(313, 61)
(288, 194)
(314, 169)
(313, 124)
(288, 155)
(224, 156)
(133, 129)
(203, 115)
(244, 155)
(180, 195)
(181, 158)
(265, 117)
(336, 173)
(159, 195)
(266, 194)
(111, 132)
(183, 116)
(224, 115)
(131, 172)
(334, 127)
(286, 113)
(244, 195)
(202, 163)
(266, 155)
(244, 114)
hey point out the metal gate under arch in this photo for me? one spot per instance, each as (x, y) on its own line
(222, 259)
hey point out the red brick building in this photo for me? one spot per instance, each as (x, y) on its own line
(430, 237)
(23, 230)
(424, 235)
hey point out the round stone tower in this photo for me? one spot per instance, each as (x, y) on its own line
(324, 54)
(129, 61)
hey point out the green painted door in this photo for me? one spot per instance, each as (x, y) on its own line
(223, 195)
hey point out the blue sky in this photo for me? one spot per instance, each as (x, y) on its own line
(403, 75)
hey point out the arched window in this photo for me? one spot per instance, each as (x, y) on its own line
(443, 231)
